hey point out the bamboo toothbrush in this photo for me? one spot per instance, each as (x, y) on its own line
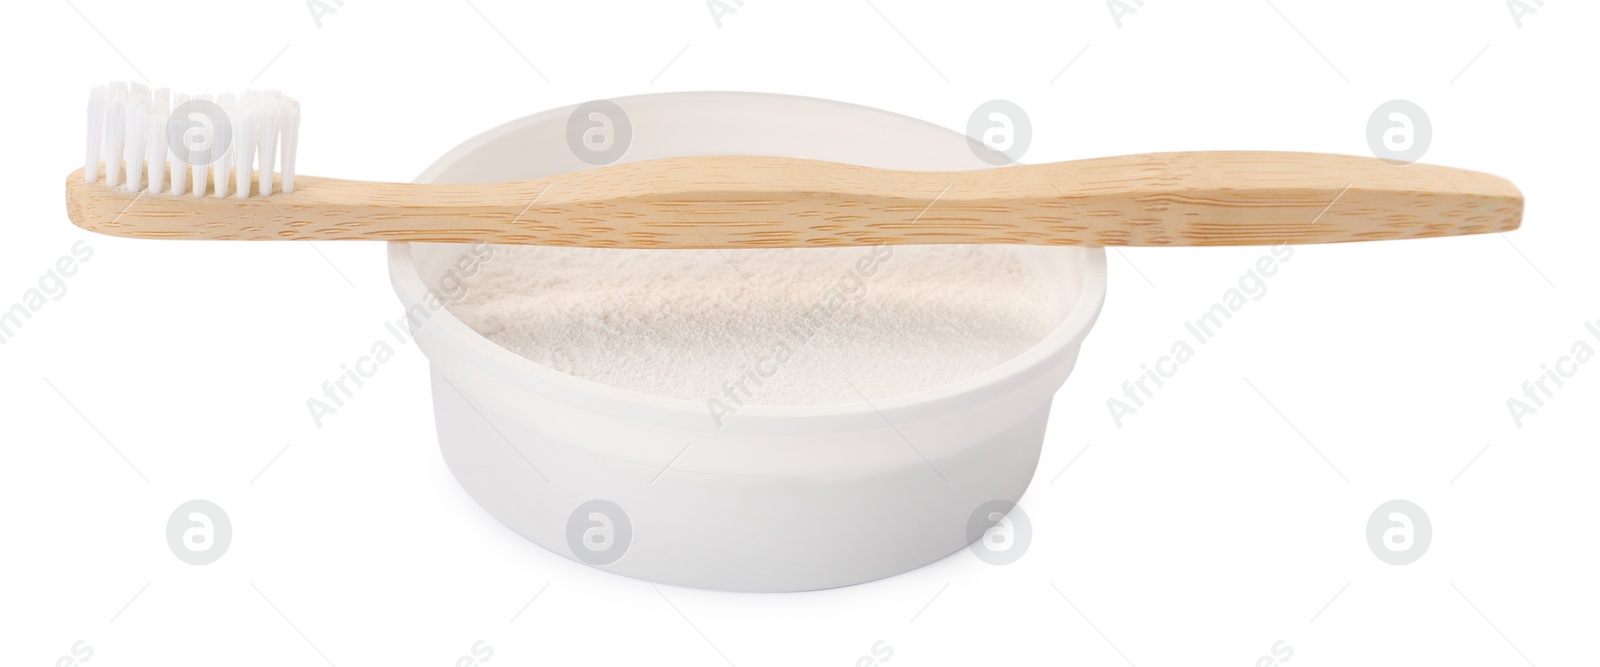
(139, 180)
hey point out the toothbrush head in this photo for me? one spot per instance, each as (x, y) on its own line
(156, 142)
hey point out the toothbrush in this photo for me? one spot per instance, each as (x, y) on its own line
(242, 186)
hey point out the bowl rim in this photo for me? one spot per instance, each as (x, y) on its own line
(485, 355)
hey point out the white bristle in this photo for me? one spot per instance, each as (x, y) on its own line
(266, 147)
(237, 140)
(133, 151)
(175, 163)
(99, 99)
(291, 137)
(244, 148)
(198, 172)
(222, 151)
(155, 151)
(155, 160)
(111, 142)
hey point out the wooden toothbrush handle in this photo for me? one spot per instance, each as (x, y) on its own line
(1159, 199)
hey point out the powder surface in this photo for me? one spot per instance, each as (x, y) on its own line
(765, 327)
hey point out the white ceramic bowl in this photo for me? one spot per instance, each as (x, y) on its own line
(780, 498)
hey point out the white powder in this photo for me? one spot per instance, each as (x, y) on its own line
(765, 327)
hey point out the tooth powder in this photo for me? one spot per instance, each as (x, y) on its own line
(783, 326)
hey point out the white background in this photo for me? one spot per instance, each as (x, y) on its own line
(1202, 531)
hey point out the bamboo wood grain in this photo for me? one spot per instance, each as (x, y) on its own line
(1159, 199)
